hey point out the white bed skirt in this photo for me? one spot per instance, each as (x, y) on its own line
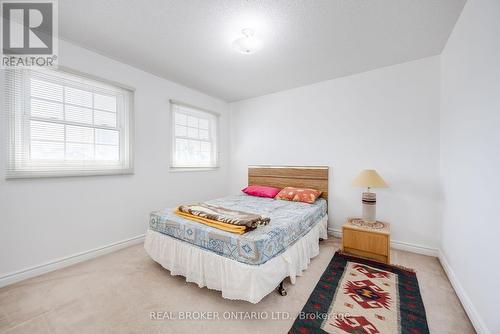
(234, 279)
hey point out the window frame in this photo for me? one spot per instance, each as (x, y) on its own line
(18, 126)
(173, 167)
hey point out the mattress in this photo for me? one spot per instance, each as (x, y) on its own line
(289, 222)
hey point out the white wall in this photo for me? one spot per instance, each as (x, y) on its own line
(387, 119)
(470, 159)
(45, 219)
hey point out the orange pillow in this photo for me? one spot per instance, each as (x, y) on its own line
(298, 195)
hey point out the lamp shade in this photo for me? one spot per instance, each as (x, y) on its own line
(369, 178)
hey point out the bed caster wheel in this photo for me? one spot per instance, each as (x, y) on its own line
(281, 289)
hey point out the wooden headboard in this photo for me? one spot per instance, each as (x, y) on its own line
(315, 177)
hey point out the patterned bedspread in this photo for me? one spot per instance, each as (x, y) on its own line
(289, 221)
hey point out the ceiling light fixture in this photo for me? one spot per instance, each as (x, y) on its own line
(248, 43)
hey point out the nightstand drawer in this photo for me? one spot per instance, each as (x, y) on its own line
(365, 241)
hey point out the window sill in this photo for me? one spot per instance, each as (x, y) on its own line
(67, 174)
(193, 169)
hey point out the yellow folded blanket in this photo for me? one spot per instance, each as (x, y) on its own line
(238, 229)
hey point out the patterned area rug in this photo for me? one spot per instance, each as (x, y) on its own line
(360, 296)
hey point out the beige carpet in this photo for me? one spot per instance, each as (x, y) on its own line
(116, 294)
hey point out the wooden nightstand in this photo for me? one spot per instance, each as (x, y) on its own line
(370, 240)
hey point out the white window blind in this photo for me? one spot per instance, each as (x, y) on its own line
(62, 124)
(194, 137)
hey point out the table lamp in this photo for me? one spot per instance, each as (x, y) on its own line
(369, 178)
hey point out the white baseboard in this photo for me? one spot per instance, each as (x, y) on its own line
(67, 261)
(401, 245)
(469, 308)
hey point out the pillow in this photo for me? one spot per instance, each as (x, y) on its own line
(298, 195)
(261, 191)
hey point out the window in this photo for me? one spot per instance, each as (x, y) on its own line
(194, 137)
(62, 124)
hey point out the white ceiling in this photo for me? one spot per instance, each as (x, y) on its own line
(304, 41)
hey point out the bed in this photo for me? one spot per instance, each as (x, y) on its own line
(251, 265)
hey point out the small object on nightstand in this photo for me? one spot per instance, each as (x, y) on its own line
(367, 239)
(369, 178)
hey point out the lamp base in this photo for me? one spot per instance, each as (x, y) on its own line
(369, 201)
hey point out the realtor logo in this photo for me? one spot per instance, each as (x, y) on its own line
(29, 33)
